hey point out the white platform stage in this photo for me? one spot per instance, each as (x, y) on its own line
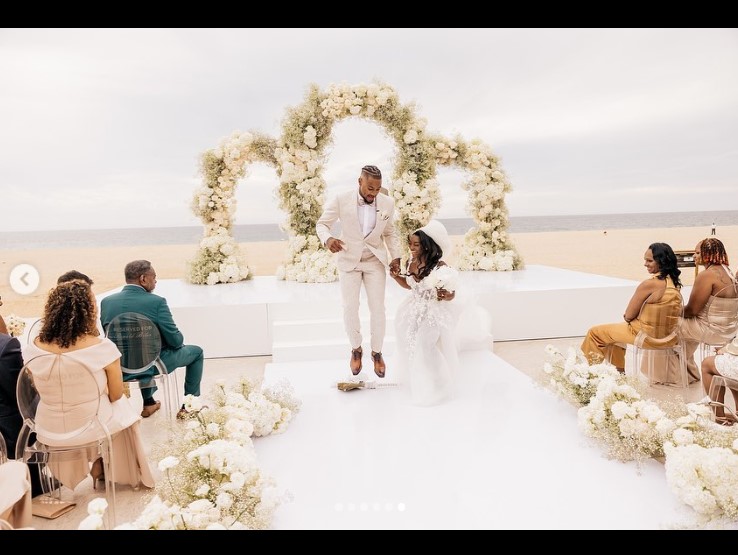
(504, 454)
(299, 321)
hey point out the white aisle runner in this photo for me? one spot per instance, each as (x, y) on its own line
(503, 454)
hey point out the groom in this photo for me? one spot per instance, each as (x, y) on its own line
(367, 232)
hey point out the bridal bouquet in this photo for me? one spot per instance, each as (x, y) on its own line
(443, 277)
(15, 325)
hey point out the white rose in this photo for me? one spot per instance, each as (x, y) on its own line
(411, 137)
(167, 463)
(92, 522)
(97, 506)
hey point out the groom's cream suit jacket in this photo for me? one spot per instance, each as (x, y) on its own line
(383, 237)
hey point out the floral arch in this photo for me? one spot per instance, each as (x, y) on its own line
(298, 157)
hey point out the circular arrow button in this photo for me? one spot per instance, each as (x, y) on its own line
(24, 279)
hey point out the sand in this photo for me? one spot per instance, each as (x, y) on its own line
(617, 253)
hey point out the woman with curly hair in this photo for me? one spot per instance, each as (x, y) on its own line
(69, 340)
(711, 315)
(655, 295)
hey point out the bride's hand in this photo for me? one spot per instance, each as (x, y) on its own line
(444, 295)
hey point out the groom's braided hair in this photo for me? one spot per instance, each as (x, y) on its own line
(372, 171)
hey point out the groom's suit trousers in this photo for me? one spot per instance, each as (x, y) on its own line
(373, 274)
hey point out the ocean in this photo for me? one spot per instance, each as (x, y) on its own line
(271, 232)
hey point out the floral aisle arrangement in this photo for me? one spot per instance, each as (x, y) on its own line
(218, 259)
(571, 375)
(702, 464)
(299, 155)
(701, 457)
(211, 476)
(631, 427)
(15, 325)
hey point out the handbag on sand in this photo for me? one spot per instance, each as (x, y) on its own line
(46, 507)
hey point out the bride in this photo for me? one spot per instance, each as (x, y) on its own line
(425, 320)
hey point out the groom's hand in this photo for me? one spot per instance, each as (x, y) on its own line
(334, 245)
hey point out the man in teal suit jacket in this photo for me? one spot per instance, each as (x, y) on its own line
(137, 296)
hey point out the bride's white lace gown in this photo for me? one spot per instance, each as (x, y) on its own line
(426, 344)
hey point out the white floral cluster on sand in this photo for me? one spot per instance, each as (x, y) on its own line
(269, 410)
(702, 464)
(631, 427)
(571, 375)
(15, 325)
(701, 457)
(211, 475)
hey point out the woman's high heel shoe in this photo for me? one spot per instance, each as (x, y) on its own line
(98, 474)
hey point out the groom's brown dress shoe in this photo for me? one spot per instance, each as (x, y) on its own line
(379, 365)
(355, 361)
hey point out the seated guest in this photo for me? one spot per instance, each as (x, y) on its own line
(659, 292)
(11, 363)
(725, 364)
(710, 293)
(69, 338)
(137, 296)
(74, 274)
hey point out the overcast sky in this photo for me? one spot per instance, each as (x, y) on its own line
(103, 128)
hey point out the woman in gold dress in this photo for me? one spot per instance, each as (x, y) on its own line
(655, 303)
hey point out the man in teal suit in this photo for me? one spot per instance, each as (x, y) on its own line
(137, 296)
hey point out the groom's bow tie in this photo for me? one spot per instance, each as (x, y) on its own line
(362, 202)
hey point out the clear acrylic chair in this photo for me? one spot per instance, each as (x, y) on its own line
(722, 322)
(73, 431)
(139, 341)
(658, 354)
(34, 330)
(717, 399)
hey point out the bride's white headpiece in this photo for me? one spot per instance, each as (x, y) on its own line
(437, 231)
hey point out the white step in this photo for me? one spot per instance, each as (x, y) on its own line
(328, 305)
(327, 308)
(335, 348)
(317, 329)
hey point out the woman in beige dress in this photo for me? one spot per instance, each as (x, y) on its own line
(69, 336)
(661, 300)
(711, 314)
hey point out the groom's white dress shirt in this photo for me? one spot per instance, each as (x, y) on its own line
(367, 215)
